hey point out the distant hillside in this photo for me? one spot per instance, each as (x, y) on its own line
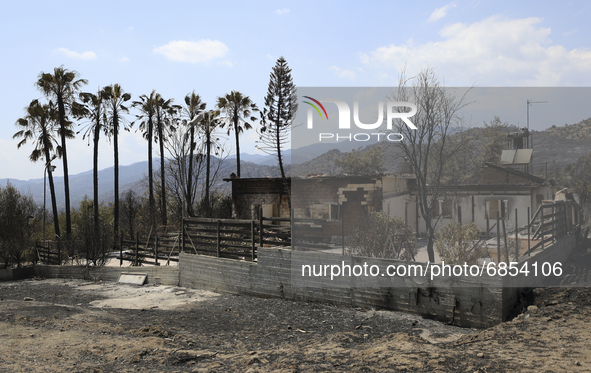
(131, 177)
(554, 146)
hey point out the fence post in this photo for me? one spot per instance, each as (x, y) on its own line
(459, 214)
(121, 251)
(261, 232)
(554, 221)
(516, 239)
(487, 225)
(217, 246)
(528, 231)
(137, 244)
(498, 239)
(156, 251)
(253, 240)
(183, 235)
(505, 239)
(542, 226)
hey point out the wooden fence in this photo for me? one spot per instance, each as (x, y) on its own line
(155, 250)
(234, 238)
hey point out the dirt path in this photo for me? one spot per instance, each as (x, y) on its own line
(76, 326)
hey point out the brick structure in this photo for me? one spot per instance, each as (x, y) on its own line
(323, 198)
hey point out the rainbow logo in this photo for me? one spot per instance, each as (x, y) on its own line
(316, 107)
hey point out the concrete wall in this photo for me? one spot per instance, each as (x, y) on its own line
(156, 275)
(475, 306)
(14, 274)
(516, 287)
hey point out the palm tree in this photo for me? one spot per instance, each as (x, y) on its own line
(147, 107)
(193, 107)
(94, 109)
(238, 109)
(39, 126)
(62, 86)
(115, 109)
(164, 115)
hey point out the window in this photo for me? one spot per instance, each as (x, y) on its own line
(445, 208)
(497, 205)
(325, 211)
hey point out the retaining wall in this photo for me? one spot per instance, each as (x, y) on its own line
(156, 275)
(13, 274)
(474, 306)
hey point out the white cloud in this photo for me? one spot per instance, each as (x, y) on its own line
(190, 51)
(124, 59)
(282, 11)
(88, 55)
(493, 51)
(342, 73)
(441, 12)
(227, 63)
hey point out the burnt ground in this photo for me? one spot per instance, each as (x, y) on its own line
(66, 326)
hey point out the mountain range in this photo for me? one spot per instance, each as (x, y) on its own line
(553, 147)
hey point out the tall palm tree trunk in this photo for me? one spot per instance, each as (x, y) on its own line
(207, 209)
(97, 133)
(56, 223)
(62, 118)
(150, 175)
(162, 179)
(189, 193)
(237, 133)
(116, 178)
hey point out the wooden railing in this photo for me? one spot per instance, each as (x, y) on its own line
(233, 238)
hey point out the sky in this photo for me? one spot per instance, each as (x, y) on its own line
(212, 48)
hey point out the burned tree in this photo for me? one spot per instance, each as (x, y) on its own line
(436, 141)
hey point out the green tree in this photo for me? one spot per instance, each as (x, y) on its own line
(277, 116)
(238, 109)
(116, 108)
(62, 85)
(87, 243)
(17, 224)
(39, 126)
(369, 162)
(494, 140)
(382, 236)
(581, 178)
(194, 106)
(459, 244)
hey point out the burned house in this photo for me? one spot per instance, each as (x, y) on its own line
(502, 190)
(318, 202)
(332, 205)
